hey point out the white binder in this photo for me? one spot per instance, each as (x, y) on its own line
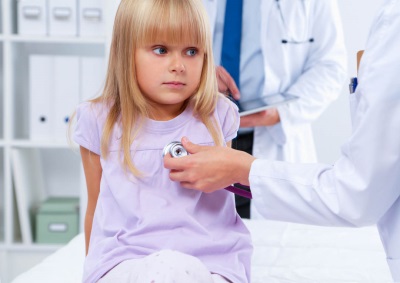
(93, 72)
(63, 17)
(91, 18)
(41, 96)
(32, 17)
(29, 187)
(66, 93)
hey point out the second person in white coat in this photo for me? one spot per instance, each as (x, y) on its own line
(363, 185)
(310, 64)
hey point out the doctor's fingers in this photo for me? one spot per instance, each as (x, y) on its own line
(194, 148)
(199, 186)
(176, 164)
(196, 186)
(188, 180)
(193, 175)
(226, 84)
(197, 157)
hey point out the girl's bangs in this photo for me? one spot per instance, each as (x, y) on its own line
(173, 24)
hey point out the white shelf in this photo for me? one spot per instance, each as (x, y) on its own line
(42, 144)
(62, 40)
(32, 248)
(59, 160)
(38, 144)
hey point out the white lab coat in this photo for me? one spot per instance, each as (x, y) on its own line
(363, 186)
(314, 71)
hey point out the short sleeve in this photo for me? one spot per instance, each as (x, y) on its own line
(228, 115)
(86, 132)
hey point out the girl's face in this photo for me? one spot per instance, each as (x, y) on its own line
(168, 75)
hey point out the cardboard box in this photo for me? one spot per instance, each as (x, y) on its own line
(57, 220)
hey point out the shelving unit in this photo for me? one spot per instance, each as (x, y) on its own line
(58, 160)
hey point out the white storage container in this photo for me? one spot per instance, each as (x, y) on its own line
(32, 17)
(91, 18)
(63, 19)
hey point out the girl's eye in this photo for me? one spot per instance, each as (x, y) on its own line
(160, 50)
(191, 52)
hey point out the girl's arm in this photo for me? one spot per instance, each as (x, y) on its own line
(93, 172)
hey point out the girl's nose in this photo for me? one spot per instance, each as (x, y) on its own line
(177, 65)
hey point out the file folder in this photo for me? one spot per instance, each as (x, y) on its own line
(66, 93)
(29, 187)
(41, 96)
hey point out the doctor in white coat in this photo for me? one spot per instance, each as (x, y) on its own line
(361, 188)
(311, 64)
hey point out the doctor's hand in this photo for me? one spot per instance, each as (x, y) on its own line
(267, 117)
(226, 84)
(209, 168)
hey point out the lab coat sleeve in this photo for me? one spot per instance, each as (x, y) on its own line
(364, 183)
(324, 71)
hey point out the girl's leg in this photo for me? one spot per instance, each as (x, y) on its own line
(171, 266)
(161, 267)
(122, 272)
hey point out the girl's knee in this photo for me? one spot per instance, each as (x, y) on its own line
(176, 266)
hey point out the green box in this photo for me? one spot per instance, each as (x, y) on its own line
(57, 220)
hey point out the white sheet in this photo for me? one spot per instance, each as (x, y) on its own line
(283, 253)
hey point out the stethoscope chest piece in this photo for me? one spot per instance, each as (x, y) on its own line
(175, 149)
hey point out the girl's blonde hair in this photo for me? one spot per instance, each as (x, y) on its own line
(141, 22)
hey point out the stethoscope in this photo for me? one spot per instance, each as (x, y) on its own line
(176, 149)
(290, 38)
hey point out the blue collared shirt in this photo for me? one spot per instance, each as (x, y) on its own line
(251, 58)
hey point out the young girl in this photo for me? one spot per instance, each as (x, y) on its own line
(161, 85)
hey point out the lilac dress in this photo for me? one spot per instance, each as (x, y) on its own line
(136, 217)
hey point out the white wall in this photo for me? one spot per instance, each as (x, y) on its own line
(332, 129)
